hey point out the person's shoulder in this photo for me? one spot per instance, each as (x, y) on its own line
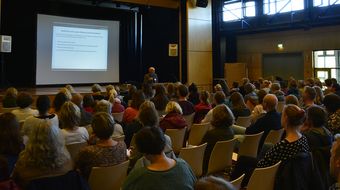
(134, 178)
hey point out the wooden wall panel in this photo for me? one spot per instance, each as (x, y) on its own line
(200, 67)
(199, 36)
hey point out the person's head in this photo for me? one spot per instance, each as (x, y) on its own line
(218, 88)
(88, 101)
(328, 83)
(261, 94)
(148, 114)
(70, 89)
(334, 163)
(150, 141)
(171, 89)
(46, 147)
(310, 82)
(235, 84)
(151, 70)
(103, 125)
(96, 88)
(132, 90)
(193, 88)
(66, 92)
(219, 97)
(10, 138)
(43, 104)
(69, 115)
(222, 116)
(147, 90)
(334, 81)
(77, 99)
(204, 97)
(11, 93)
(137, 99)
(291, 99)
(292, 117)
(275, 87)
(293, 84)
(173, 107)
(59, 100)
(160, 90)
(237, 100)
(316, 117)
(245, 81)
(182, 91)
(270, 102)
(266, 84)
(103, 106)
(249, 88)
(24, 100)
(109, 88)
(319, 95)
(213, 183)
(309, 94)
(332, 103)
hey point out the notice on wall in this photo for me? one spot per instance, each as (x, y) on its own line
(173, 50)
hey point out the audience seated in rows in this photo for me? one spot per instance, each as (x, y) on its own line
(106, 152)
(70, 119)
(276, 90)
(173, 118)
(163, 172)
(148, 91)
(238, 106)
(172, 91)
(10, 98)
(160, 99)
(308, 97)
(222, 121)
(193, 94)
(127, 99)
(293, 89)
(85, 117)
(97, 92)
(270, 121)
(258, 110)
(219, 98)
(319, 96)
(292, 99)
(213, 183)
(251, 99)
(45, 155)
(58, 101)
(11, 144)
(187, 107)
(88, 103)
(131, 112)
(117, 106)
(24, 101)
(203, 107)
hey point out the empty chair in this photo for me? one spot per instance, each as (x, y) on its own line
(194, 157)
(118, 116)
(221, 156)
(6, 110)
(280, 106)
(74, 149)
(108, 178)
(197, 133)
(177, 138)
(237, 182)
(250, 145)
(256, 180)
(243, 121)
(274, 136)
(189, 119)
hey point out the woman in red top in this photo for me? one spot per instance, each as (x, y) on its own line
(131, 112)
(203, 107)
(173, 119)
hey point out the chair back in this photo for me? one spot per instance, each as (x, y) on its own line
(74, 149)
(189, 119)
(118, 116)
(269, 173)
(108, 178)
(221, 156)
(280, 106)
(194, 157)
(274, 136)
(197, 133)
(177, 138)
(250, 145)
(237, 182)
(6, 110)
(243, 121)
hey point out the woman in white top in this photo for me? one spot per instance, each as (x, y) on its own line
(70, 119)
(24, 101)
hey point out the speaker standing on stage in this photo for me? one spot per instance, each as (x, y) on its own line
(151, 76)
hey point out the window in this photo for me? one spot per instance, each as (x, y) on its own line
(327, 64)
(325, 3)
(271, 7)
(238, 10)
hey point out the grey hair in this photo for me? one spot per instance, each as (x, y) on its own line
(46, 147)
(104, 106)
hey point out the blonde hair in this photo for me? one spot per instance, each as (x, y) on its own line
(173, 107)
(69, 115)
(45, 148)
(66, 92)
(70, 88)
(103, 106)
(11, 92)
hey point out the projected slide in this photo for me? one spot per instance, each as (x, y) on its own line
(76, 50)
(79, 48)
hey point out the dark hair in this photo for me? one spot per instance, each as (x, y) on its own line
(24, 100)
(132, 90)
(261, 94)
(213, 183)
(331, 102)
(249, 88)
(160, 99)
(204, 97)
(148, 115)
(150, 140)
(43, 104)
(310, 92)
(293, 84)
(235, 84)
(292, 99)
(171, 89)
(317, 116)
(237, 100)
(88, 101)
(59, 100)
(193, 88)
(295, 115)
(328, 82)
(137, 99)
(103, 125)
(219, 97)
(147, 90)
(222, 116)
(182, 90)
(10, 138)
(334, 81)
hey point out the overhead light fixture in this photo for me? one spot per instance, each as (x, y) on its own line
(280, 46)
